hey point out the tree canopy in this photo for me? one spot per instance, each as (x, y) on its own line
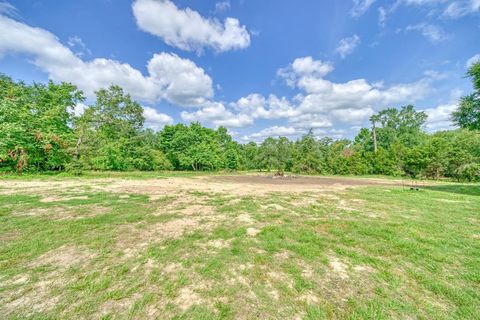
(39, 132)
(468, 113)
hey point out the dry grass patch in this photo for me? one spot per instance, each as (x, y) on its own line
(64, 212)
(63, 258)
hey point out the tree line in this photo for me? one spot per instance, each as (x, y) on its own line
(40, 132)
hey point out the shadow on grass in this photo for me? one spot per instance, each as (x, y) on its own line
(466, 189)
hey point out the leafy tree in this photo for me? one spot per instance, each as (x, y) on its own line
(35, 124)
(467, 115)
(106, 131)
(249, 156)
(38, 131)
(268, 155)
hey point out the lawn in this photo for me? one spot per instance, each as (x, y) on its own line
(210, 247)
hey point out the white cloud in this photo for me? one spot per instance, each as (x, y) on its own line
(222, 6)
(310, 121)
(432, 32)
(181, 80)
(307, 65)
(216, 114)
(303, 67)
(170, 77)
(154, 119)
(360, 7)
(323, 102)
(439, 118)
(472, 60)
(347, 45)
(187, 29)
(257, 106)
(275, 131)
(352, 116)
(352, 102)
(458, 9)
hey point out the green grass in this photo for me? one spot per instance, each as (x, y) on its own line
(361, 253)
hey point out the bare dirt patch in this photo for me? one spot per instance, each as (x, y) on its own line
(39, 296)
(132, 239)
(156, 189)
(63, 257)
(304, 181)
(187, 298)
(339, 268)
(64, 212)
(60, 198)
(245, 218)
(122, 305)
(32, 299)
(252, 232)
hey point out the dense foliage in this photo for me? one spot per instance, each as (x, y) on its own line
(39, 131)
(468, 113)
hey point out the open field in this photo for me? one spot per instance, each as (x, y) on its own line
(238, 247)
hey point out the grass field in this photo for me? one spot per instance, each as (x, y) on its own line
(238, 247)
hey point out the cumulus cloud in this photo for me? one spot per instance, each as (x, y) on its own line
(215, 113)
(352, 101)
(275, 131)
(154, 119)
(360, 7)
(439, 118)
(305, 66)
(432, 32)
(310, 121)
(258, 107)
(351, 115)
(181, 80)
(320, 103)
(347, 45)
(186, 29)
(170, 77)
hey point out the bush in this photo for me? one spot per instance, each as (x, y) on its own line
(468, 172)
(74, 167)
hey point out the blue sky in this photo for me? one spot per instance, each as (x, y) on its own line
(260, 68)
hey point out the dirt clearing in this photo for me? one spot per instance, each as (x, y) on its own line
(236, 247)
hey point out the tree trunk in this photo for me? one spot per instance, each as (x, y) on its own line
(77, 147)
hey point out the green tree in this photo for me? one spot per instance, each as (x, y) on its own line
(107, 131)
(35, 124)
(307, 156)
(275, 154)
(467, 115)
